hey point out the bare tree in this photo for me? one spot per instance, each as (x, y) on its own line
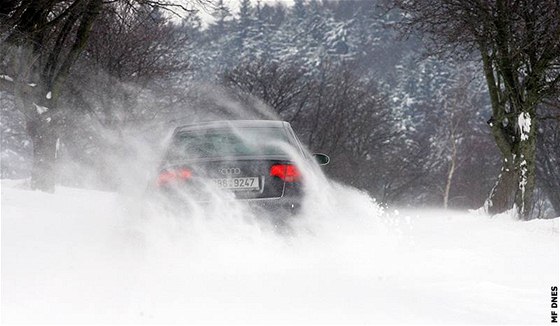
(40, 43)
(283, 88)
(454, 120)
(334, 110)
(518, 43)
(125, 81)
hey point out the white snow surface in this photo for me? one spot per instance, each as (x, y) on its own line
(40, 109)
(524, 122)
(85, 256)
(6, 77)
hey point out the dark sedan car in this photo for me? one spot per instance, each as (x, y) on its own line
(252, 160)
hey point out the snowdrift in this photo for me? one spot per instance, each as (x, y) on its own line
(91, 256)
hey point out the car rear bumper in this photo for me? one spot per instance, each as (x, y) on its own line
(283, 204)
(277, 205)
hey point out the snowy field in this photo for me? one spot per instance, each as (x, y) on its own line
(91, 256)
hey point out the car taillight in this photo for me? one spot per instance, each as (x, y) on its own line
(286, 172)
(168, 176)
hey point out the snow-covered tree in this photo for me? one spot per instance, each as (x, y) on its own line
(518, 45)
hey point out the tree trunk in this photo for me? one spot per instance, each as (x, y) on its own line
(526, 165)
(501, 196)
(450, 173)
(517, 180)
(516, 138)
(43, 56)
(39, 109)
(44, 140)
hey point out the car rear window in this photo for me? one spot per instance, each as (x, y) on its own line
(228, 142)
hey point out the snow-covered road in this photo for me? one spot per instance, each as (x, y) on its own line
(90, 256)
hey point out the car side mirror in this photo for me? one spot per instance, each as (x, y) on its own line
(322, 159)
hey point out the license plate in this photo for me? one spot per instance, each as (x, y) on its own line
(238, 183)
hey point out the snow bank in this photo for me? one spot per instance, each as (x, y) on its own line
(90, 256)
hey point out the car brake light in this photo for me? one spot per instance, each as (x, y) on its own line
(168, 176)
(286, 172)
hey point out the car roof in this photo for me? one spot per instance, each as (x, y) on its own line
(232, 123)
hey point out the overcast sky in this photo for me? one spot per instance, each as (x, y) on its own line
(234, 6)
